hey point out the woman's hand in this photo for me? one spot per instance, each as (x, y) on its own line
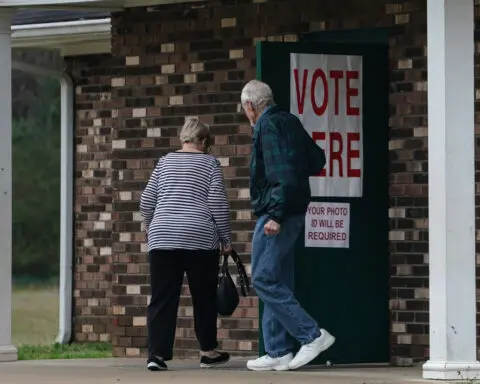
(227, 249)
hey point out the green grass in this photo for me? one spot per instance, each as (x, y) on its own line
(35, 326)
(57, 351)
(35, 314)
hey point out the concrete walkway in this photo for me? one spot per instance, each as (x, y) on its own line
(132, 371)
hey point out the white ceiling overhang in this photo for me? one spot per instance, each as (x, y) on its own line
(73, 38)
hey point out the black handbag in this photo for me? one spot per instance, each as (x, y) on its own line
(227, 296)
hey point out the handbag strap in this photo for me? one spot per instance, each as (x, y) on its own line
(225, 265)
(242, 273)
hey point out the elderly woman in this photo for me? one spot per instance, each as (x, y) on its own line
(186, 214)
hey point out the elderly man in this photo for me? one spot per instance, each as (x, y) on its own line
(283, 158)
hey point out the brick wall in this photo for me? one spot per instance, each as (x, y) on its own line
(408, 185)
(93, 198)
(179, 60)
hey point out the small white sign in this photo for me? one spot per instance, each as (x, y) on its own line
(327, 225)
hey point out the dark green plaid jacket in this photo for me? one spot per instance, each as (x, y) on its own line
(283, 158)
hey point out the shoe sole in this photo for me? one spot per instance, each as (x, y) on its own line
(152, 367)
(203, 365)
(327, 345)
(279, 368)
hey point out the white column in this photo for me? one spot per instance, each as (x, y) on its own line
(66, 209)
(451, 175)
(7, 351)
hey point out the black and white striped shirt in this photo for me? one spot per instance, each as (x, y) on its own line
(184, 204)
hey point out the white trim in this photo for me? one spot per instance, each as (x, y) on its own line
(89, 4)
(59, 3)
(71, 37)
(146, 3)
(99, 23)
(66, 196)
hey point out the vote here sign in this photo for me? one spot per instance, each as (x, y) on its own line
(326, 94)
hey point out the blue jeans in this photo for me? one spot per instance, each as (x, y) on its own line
(273, 269)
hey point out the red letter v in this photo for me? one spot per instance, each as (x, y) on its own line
(300, 94)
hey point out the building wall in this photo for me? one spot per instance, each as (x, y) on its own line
(173, 61)
(93, 198)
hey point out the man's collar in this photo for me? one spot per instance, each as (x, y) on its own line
(266, 111)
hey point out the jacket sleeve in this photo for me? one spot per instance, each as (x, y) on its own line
(316, 157)
(279, 170)
(218, 205)
(148, 200)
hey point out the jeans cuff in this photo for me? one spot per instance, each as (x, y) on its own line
(312, 339)
(278, 355)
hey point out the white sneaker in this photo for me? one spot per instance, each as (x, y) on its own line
(309, 352)
(267, 363)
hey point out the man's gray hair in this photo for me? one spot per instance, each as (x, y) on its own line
(194, 131)
(258, 93)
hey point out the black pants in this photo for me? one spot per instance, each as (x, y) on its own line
(167, 269)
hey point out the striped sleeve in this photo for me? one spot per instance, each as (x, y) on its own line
(218, 205)
(148, 200)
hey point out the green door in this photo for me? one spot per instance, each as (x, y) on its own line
(344, 285)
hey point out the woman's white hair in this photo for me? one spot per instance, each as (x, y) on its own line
(194, 131)
(258, 93)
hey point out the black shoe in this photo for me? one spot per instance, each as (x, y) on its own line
(155, 364)
(208, 362)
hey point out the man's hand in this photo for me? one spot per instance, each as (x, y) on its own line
(271, 228)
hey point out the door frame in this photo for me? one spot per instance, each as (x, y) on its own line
(375, 36)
